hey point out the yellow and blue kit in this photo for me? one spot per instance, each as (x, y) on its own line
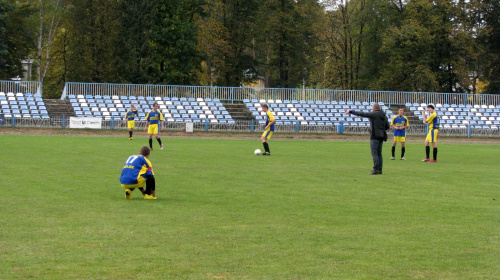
(131, 115)
(135, 172)
(433, 121)
(153, 117)
(398, 121)
(269, 131)
(400, 134)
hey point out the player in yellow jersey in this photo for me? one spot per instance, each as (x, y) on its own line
(138, 173)
(130, 120)
(153, 119)
(269, 130)
(432, 136)
(399, 123)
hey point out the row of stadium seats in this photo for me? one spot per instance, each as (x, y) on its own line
(333, 112)
(308, 112)
(19, 94)
(313, 113)
(24, 106)
(453, 116)
(173, 109)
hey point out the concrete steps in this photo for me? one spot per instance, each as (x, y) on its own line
(408, 113)
(238, 111)
(58, 107)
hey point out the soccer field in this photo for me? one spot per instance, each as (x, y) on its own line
(309, 211)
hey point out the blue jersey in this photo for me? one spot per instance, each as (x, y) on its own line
(153, 117)
(398, 121)
(131, 115)
(270, 118)
(433, 121)
(136, 166)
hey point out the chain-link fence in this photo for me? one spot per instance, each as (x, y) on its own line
(247, 127)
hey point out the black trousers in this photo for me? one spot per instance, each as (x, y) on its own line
(376, 149)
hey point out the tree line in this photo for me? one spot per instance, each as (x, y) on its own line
(397, 45)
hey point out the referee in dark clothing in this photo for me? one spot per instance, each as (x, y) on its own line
(378, 126)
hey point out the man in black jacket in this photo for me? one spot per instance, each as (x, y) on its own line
(378, 134)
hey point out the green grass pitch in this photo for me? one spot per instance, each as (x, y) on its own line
(310, 211)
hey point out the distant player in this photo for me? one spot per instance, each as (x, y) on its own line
(433, 135)
(130, 120)
(400, 123)
(137, 173)
(153, 119)
(269, 130)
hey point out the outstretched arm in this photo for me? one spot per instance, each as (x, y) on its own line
(370, 115)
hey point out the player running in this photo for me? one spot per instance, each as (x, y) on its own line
(153, 119)
(400, 123)
(137, 173)
(433, 135)
(130, 120)
(269, 130)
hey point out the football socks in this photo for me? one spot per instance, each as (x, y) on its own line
(150, 185)
(427, 151)
(266, 147)
(393, 150)
(402, 152)
(434, 153)
(151, 143)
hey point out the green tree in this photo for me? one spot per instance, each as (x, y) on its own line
(343, 37)
(427, 52)
(93, 27)
(158, 41)
(287, 41)
(50, 13)
(226, 38)
(379, 17)
(16, 37)
(173, 43)
(492, 44)
(135, 32)
(5, 9)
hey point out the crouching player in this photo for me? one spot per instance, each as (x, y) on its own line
(137, 173)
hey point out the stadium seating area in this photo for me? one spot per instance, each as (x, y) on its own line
(197, 110)
(174, 109)
(26, 106)
(313, 112)
(460, 116)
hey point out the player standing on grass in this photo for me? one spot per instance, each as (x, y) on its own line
(400, 123)
(269, 130)
(433, 134)
(130, 120)
(153, 119)
(137, 173)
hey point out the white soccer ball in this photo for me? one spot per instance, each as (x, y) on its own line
(257, 152)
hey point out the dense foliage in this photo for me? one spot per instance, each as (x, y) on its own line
(407, 45)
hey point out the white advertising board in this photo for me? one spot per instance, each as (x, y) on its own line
(75, 122)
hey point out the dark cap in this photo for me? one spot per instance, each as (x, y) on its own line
(430, 106)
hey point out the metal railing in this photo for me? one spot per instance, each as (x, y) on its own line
(248, 127)
(21, 86)
(232, 94)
